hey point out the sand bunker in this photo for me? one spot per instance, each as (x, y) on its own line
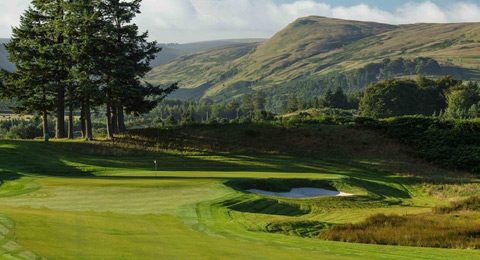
(302, 193)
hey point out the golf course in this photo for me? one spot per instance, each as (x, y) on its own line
(98, 200)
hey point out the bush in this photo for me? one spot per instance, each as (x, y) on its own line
(470, 204)
(423, 230)
(20, 129)
(453, 143)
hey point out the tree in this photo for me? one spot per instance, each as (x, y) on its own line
(33, 84)
(83, 25)
(259, 100)
(392, 98)
(126, 59)
(81, 53)
(328, 98)
(187, 117)
(339, 99)
(292, 104)
(461, 99)
(233, 104)
(247, 103)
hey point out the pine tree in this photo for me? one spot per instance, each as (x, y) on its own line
(83, 25)
(328, 98)
(339, 99)
(247, 104)
(292, 104)
(32, 84)
(259, 100)
(126, 60)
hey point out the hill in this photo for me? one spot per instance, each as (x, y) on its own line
(169, 52)
(172, 51)
(315, 48)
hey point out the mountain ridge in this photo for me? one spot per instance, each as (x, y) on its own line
(313, 47)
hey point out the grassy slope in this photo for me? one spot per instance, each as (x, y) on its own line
(202, 66)
(171, 52)
(91, 201)
(315, 46)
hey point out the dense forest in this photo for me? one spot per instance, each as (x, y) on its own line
(354, 80)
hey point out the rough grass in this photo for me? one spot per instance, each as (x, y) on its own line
(459, 230)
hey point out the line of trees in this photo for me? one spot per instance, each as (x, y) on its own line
(331, 99)
(81, 54)
(171, 112)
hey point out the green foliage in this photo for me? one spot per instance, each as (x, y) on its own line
(259, 100)
(453, 143)
(20, 129)
(394, 97)
(463, 101)
(247, 102)
(292, 104)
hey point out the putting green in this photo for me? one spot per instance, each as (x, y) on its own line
(113, 207)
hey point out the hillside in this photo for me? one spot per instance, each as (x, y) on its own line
(173, 51)
(169, 52)
(314, 47)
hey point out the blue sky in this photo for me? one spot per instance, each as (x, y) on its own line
(200, 20)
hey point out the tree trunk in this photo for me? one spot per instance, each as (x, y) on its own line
(115, 119)
(70, 123)
(60, 122)
(88, 122)
(82, 122)
(45, 123)
(121, 119)
(109, 121)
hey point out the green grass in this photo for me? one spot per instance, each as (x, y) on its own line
(74, 200)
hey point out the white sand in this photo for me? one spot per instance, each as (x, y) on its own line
(302, 193)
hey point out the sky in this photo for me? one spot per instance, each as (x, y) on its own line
(185, 21)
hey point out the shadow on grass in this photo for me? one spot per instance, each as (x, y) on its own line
(267, 206)
(35, 158)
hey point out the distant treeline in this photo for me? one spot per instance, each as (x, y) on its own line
(351, 81)
(250, 107)
(444, 97)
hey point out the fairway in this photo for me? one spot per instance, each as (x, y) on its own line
(59, 202)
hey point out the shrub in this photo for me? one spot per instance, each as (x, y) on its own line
(20, 129)
(453, 143)
(470, 204)
(424, 230)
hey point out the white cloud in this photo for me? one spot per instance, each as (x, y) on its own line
(466, 12)
(426, 12)
(10, 12)
(195, 20)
